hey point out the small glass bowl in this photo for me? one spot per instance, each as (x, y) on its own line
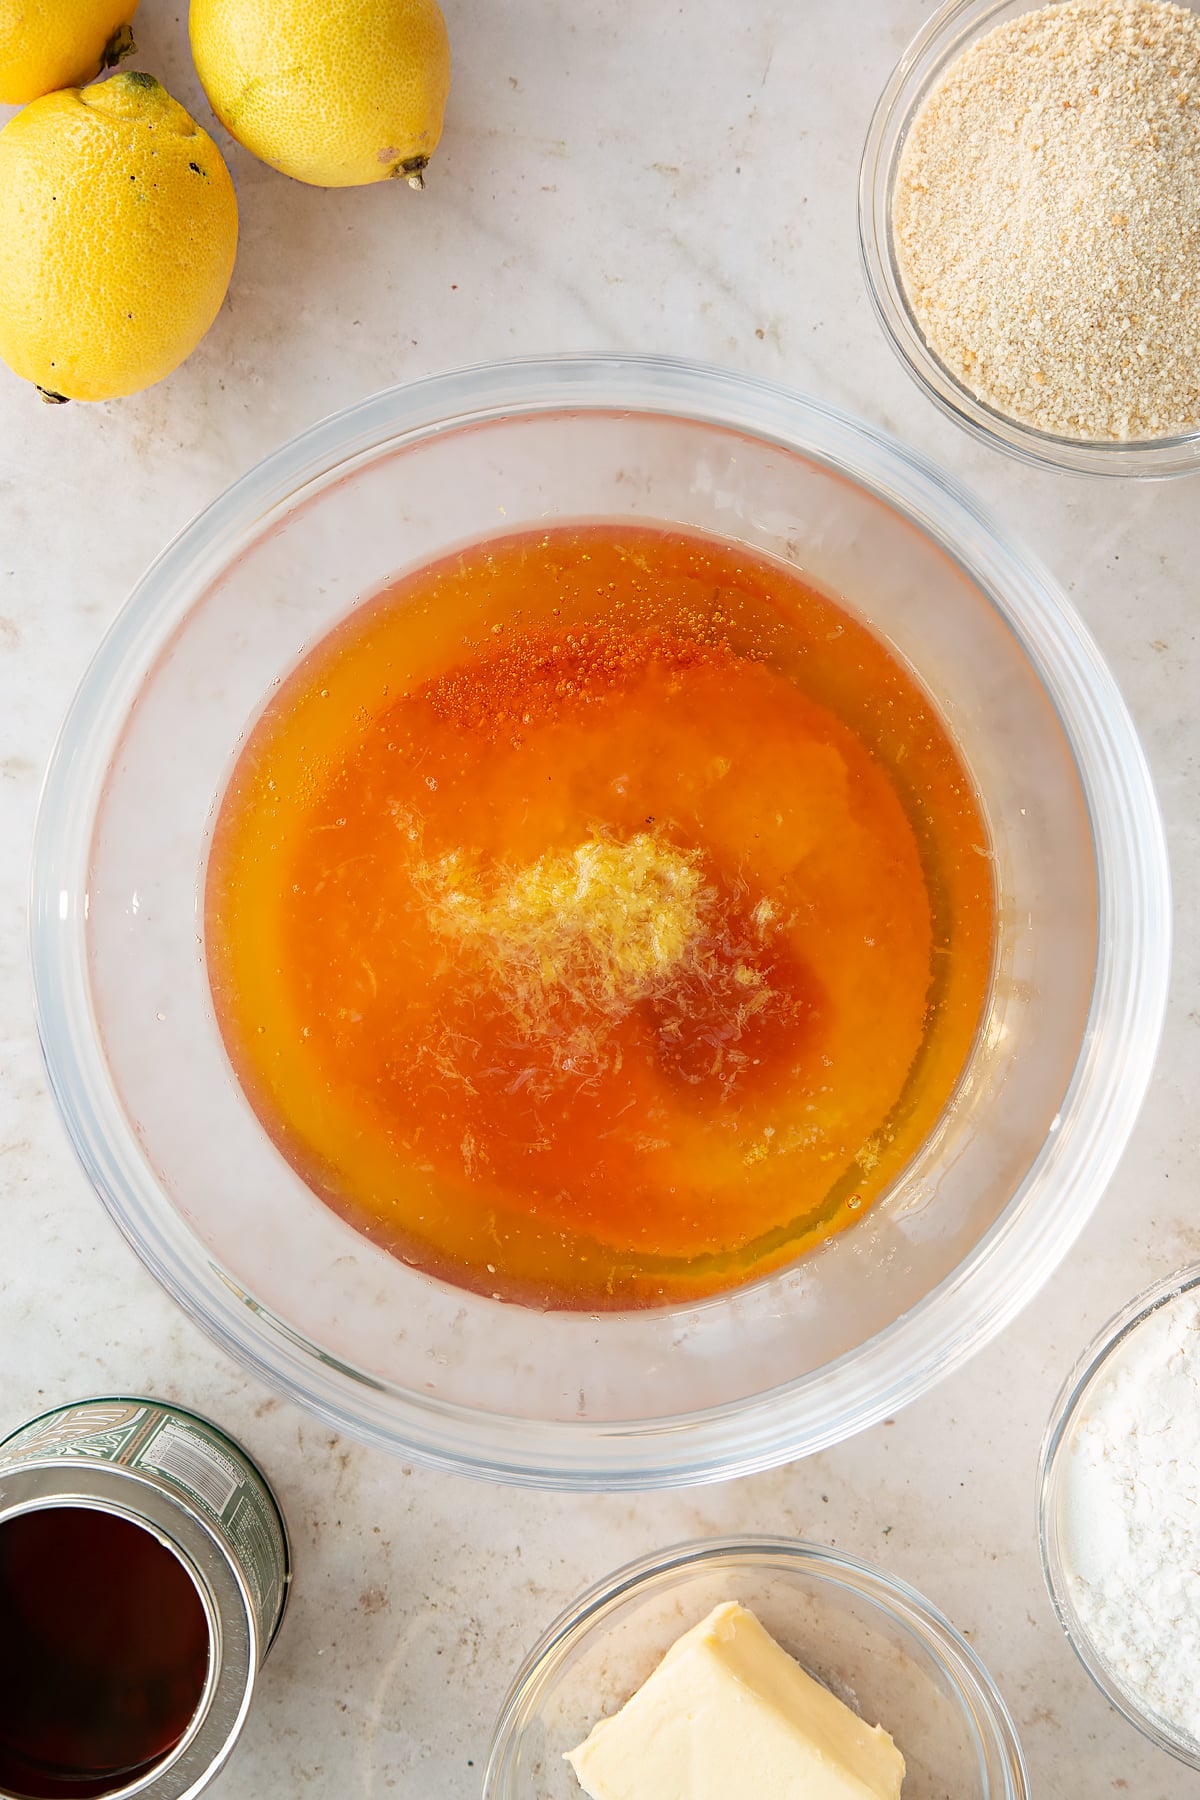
(939, 43)
(1068, 1413)
(871, 1639)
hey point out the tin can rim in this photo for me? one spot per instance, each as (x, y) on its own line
(187, 1412)
(150, 1499)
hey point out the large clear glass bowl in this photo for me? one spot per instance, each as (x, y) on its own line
(941, 40)
(687, 1393)
(871, 1639)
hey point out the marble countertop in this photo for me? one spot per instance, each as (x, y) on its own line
(623, 176)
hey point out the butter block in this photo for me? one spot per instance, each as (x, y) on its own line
(728, 1713)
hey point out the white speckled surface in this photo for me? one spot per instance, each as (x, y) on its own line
(630, 175)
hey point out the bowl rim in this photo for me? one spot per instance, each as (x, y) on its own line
(974, 1686)
(1053, 1470)
(939, 41)
(1041, 1219)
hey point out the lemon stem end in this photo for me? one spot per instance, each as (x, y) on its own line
(119, 45)
(412, 170)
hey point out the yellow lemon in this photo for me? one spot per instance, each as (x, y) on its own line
(47, 44)
(118, 230)
(336, 96)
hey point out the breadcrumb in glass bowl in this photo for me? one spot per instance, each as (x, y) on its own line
(1073, 352)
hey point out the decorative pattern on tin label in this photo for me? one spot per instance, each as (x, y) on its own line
(102, 1429)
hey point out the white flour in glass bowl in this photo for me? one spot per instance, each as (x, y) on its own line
(1130, 1515)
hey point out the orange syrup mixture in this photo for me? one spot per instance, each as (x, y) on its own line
(599, 918)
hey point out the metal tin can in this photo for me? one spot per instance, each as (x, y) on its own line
(192, 1488)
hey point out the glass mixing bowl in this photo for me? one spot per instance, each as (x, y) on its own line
(686, 1393)
(1061, 1488)
(871, 1639)
(942, 39)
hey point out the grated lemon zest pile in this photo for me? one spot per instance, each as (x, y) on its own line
(573, 942)
(599, 927)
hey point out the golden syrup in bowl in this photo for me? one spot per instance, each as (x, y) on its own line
(599, 917)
